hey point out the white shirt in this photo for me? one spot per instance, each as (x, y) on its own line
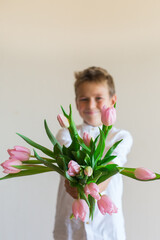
(103, 227)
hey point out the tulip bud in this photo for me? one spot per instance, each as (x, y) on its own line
(7, 165)
(80, 209)
(86, 138)
(106, 205)
(108, 116)
(144, 174)
(19, 153)
(73, 168)
(63, 121)
(93, 190)
(88, 171)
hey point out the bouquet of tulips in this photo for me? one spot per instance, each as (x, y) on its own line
(82, 163)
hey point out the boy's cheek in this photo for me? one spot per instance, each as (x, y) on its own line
(80, 107)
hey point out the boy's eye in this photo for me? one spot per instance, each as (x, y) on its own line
(98, 98)
(83, 99)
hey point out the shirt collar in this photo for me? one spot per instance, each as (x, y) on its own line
(90, 129)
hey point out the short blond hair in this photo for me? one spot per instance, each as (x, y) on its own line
(94, 74)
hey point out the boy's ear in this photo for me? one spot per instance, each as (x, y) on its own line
(113, 100)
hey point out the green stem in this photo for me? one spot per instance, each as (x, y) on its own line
(72, 216)
(106, 130)
(38, 162)
(78, 195)
(50, 159)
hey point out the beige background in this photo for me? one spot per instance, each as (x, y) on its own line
(41, 44)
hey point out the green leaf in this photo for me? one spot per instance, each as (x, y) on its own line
(67, 152)
(65, 114)
(96, 140)
(72, 128)
(51, 136)
(92, 161)
(94, 178)
(87, 160)
(61, 162)
(26, 173)
(110, 151)
(100, 148)
(71, 179)
(105, 161)
(76, 140)
(83, 145)
(93, 145)
(48, 164)
(107, 172)
(36, 145)
(57, 149)
(81, 175)
(38, 162)
(79, 156)
(92, 202)
(75, 146)
(83, 180)
(82, 194)
(30, 167)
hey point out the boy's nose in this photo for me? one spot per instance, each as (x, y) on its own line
(92, 103)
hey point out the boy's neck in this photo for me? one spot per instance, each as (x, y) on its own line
(85, 123)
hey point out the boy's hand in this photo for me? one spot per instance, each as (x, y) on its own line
(103, 185)
(71, 190)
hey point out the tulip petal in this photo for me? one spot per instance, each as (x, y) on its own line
(106, 205)
(144, 174)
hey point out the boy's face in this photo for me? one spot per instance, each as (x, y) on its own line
(91, 97)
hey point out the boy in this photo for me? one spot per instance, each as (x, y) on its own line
(94, 88)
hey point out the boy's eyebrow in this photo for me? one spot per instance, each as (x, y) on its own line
(97, 94)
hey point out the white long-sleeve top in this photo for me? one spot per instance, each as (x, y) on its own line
(103, 227)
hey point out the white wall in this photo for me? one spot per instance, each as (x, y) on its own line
(41, 44)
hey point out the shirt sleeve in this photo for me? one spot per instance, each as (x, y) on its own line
(123, 148)
(63, 137)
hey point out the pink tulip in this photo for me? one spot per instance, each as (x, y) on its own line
(80, 209)
(106, 205)
(144, 174)
(88, 171)
(86, 138)
(7, 165)
(73, 168)
(63, 121)
(108, 116)
(19, 153)
(93, 190)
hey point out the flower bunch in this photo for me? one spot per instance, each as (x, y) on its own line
(82, 163)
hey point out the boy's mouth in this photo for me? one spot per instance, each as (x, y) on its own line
(92, 112)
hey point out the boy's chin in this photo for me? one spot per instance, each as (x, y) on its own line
(93, 123)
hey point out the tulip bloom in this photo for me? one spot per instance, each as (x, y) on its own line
(108, 116)
(86, 138)
(73, 168)
(63, 121)
(106, 205)
(19, 153)
(7, 165)
(144, 174)
(93, 190)
(80, 209)
(88, 171)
